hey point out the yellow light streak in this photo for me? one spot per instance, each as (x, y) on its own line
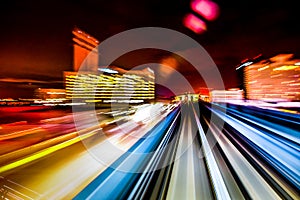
(286, 67)
(263, 68)
(46, 152)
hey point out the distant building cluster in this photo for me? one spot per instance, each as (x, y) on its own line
(275, 79)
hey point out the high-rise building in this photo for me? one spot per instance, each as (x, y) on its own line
(111, 84)
(85, 52)
(274, 79)
(90, 83)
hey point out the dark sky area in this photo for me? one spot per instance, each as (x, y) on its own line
(36, 39)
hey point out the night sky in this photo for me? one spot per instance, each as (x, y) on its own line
(36, 39)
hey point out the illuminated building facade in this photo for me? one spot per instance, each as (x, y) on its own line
(187, 97)
(204, 97)
(274, 79)
(85, 52)
(229, 95)
(111, 85)
(50, 93)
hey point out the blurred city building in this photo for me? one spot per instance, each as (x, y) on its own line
(111, 85)
(91, 83)
(49, 96)
(204, 97)
(15, 102)
(85, 51)
(275, 79)
(187, 97)
(226, 96)
(50, 93)
(204, 94)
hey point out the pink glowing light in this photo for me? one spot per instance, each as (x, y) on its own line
(208, 9)
(194, 23)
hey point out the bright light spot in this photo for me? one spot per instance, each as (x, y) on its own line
(56, 93)
(244, 65)
(147, 112)
(251, 82)
(194, 23)
(208, 9)
(50, 104)
(298, 63)
(124, 101)
(263, 68)
(294, 84)
(276, 75)
(72, 104)
(150, 70)
(107, 70)
(285, 82)
(167, 67)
